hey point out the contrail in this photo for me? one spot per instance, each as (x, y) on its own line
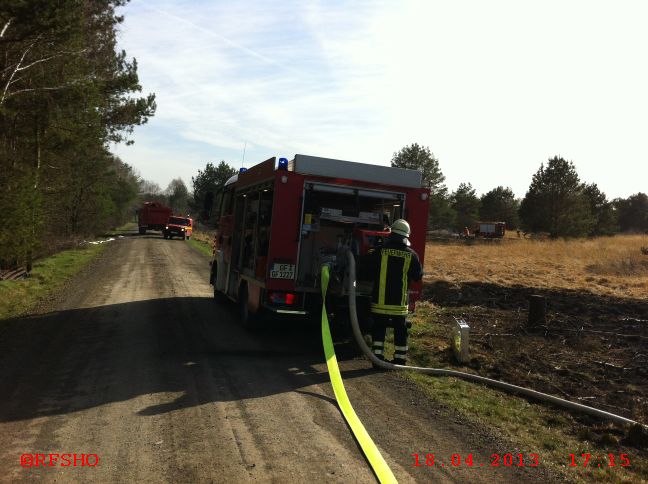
(221, 38)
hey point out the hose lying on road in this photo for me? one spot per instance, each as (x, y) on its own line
(376, 460)
(466, 376)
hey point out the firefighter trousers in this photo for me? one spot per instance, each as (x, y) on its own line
(380, 324)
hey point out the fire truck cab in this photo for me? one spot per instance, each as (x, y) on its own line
(280, 221)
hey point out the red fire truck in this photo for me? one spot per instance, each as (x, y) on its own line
(152, 216)
(279, 222)
(490, 230)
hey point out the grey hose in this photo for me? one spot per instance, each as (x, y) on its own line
(466, 376)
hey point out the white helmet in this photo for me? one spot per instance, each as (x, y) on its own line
(401, 227)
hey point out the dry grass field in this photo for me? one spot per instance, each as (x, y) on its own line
(612, 266)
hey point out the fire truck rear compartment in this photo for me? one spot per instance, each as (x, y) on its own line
(335, 218)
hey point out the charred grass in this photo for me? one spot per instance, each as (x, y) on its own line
(593, 348)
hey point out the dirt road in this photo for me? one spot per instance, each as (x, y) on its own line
(137, 364)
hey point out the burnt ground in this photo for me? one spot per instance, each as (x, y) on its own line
(593, 349)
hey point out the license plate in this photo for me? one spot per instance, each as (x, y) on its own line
(282, 271)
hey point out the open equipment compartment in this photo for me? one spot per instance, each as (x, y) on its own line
(337, 217)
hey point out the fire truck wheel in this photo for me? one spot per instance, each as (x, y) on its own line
(219, 297)
(248, 320)
(142, 230)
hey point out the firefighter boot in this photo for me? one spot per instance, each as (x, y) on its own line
(400, 358)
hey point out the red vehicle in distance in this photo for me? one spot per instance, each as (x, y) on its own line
(178, 226)
(152, 216)
(490, 230)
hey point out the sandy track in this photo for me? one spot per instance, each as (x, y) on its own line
(137, 364)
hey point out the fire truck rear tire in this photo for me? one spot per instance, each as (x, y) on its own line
(142, 230)
(248, 320)
(219, 297)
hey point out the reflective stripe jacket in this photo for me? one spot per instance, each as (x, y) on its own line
(393, 266)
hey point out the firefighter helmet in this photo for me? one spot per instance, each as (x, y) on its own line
(401, 227)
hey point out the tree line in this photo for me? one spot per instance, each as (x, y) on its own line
(66, 95)
(557, 202)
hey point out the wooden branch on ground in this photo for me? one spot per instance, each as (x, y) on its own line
(5, 27)
(492, 334)
(612, 365)
(583, 330)
(12, 274)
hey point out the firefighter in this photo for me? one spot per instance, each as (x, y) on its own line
(392, 266)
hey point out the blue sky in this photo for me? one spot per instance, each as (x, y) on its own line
(493, 88)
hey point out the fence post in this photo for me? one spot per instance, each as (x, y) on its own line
(537, 310)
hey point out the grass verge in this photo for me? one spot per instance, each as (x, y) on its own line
(202, 242)
(48, 274)
(127, 227)
(550, 432)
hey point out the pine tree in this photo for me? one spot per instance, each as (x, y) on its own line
(416, 157)
(602, 211)
(500, 205)
(209, 180)
(65, 94)
(420, 158)
(555, 202)
(466, 206)
(632, 212)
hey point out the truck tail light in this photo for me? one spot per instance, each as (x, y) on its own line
(283, 298)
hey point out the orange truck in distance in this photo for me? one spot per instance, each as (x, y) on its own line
(178, 226)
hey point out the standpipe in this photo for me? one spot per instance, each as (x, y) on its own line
(465, 376)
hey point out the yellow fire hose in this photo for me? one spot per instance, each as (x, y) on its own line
(376, 460)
